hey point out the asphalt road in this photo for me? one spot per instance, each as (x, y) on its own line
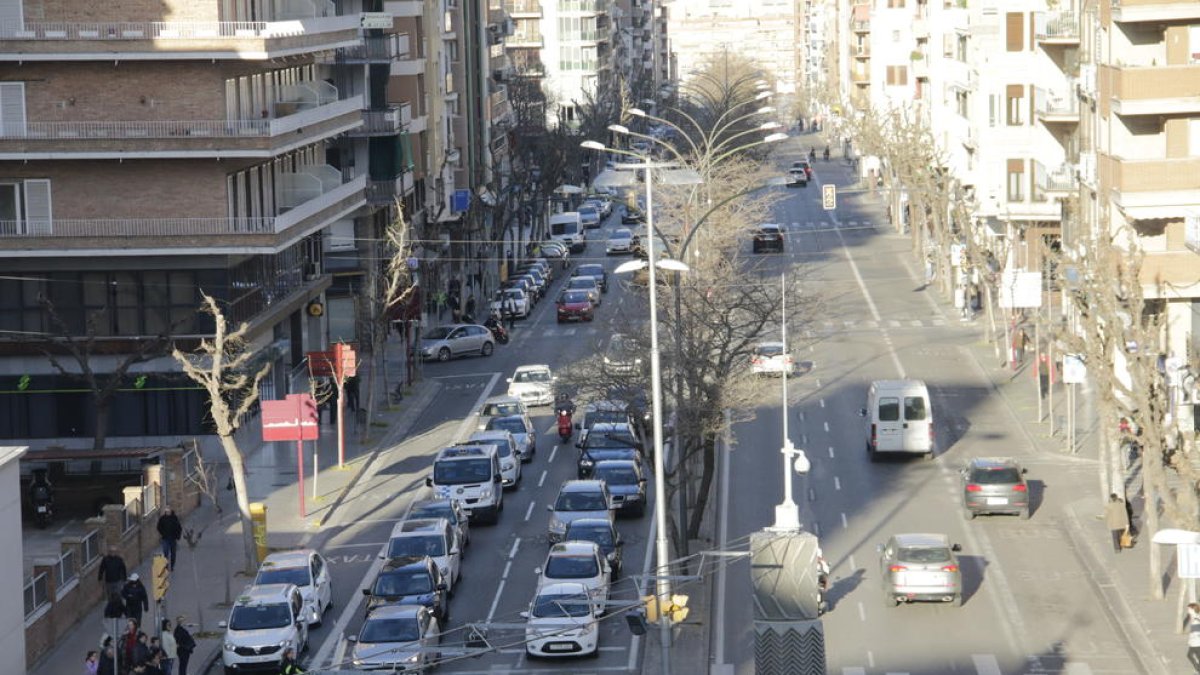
(498, 578)
(1028, 606)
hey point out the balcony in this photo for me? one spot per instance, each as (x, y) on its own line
(920, 68)
(861, 26)
(404, 8)
(1057, 182)
(862, 51)
(525, 40)
(1154, 11)
(376, 123)
(375, 49)
(1153, 188)
(523, 8)
(582, 6)
(308, 114)
(1056, 106)
(1056, 28)
(501, 108)
(860, 76)
(314, 200)
(1151, 90)
(1087, 169)
(184, 40)
(384, 192)
(409, 64)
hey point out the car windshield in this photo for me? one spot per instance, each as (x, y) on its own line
(590, 271)
(439, 510)
(531, 376)
(561, 606)
(514, 425)
(999, 476)
(621, 346)
(417, 545)
(924, 555)
(462, 471)
(617, 475)
(439, 333)
(580, 501)
(572, 297)
(601, 416)
(622, 234)
(283, 575)
(389, 630)
(601, 535)
(586, 283)
(496, 409)
(572, 567)
(259, 617)
(768, 350)
(588, 211)
(402, 583)
(503, 449)
(610, 439)
(569, 227)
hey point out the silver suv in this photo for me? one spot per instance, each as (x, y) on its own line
(994, 485)
(265, 621)
(578, 499)
(920, 567)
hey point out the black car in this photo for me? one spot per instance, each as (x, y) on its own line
(603, 533)
(594, 271)
(410, 581)
(768, 238)
(626, 483)
(607, 441)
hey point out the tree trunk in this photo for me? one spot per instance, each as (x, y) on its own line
(103, 405)
(237, 467)
(365, 431)
(706, 479)
(1150, 526)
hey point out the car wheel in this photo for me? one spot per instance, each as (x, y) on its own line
(968, 514)
(487, 348)
(890, 600)
(958, 600)
(1025, 514)
(443, 354)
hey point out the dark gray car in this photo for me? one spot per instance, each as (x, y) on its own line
(994, 485)
(626, 484)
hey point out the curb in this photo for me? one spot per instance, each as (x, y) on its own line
(427, 390)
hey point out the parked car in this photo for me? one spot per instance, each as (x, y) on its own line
(574, 306)
(578, 499)
(446, 342)
(768, 237)
(920, 567)
(409, 581)
(533, 384)
(309, 571)
(602, 532)
(520, 302)
(994, 485)
(768, 358)
(397, 639)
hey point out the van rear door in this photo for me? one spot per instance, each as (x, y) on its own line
(917, 422)
(889, 427)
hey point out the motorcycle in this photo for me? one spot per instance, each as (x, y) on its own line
(499, 332)
(564, 409)
(41, 497)
(822, 584)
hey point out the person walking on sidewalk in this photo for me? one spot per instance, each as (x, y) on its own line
(1191, 624)
(170, 648)
(136, 598)
(170, 529)
(1020, 341)
(1117, 520)
(288, 665)
(112, 572)
(185, 644)
(91, 662)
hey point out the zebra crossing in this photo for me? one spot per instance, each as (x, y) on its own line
(817, 329)
(825, 225)
(987, 664)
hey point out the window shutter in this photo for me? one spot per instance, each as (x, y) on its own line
(37, 207)
(1014, 22)
(1016, 166)
(902, 74)
(12, 109)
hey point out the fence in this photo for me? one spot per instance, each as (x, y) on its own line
(90, 548)
(129, 516)
(36, 595)
(64, 572)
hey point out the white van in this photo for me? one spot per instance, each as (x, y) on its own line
(568, 228)
(471, 476)
(900, 419)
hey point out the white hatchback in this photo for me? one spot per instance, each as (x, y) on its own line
(562, 621)
(580, 562)
(308, 571)
(532, 384)
(620, 241)
(769, 358)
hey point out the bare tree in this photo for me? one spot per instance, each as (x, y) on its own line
(389, 285)
(82, 350)
(218, 366)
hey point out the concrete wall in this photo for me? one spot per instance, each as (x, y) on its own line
(12, 619)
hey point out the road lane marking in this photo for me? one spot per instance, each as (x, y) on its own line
(844, 525)
(339, 654)
(507, 568)
(854, 671)
(803, 439)
(871, 659)
(512, 553)
(827, 426)
(542, 479)
(985, 664)
(801, 415)
(862, 614)
(822, 403)
(496, 600)
(837, 483)
(812, 496)
(464, 426)
(553, 451)
(349, 611)
(853, 567)
(831, 452)
(529, 511)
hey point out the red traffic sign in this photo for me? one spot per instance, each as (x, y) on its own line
(292, 419)
(341, 361)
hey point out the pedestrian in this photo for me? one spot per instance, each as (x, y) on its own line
(288, 665)
(1191, 622)
(469, 309)
(141, 649)
(112, 571)
(115, 607)
(153, 665)
(170, 529)
(509, 308)
(352, 393)
(136, 598)
(108, 660)
(185, 644)
(455, 307)
(960, 301)
(1019, 341)
(170, 648)
(128, 642)
(91, 662)
(1115, 518)
(930, 270)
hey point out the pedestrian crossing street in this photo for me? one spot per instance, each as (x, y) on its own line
(814, 330)
(987, 664)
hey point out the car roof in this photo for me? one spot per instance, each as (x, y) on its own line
(582, 485)
(532, 367)
(602, 427)
(415, 526)
(922, 540)
(297, 558)
(564, 588)
(770, 343)
(503, 398)
(395, 612)
(465, 451)
(617, 462)
(770, 226)
(492, 434)
(582, 280)
(422, 563)
(432, 504)
(264, 594)
(592, 522)
(574, 548)
(622, 231)
(589, 266)
(994, 462)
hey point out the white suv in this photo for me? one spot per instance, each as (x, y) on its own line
(265, 622)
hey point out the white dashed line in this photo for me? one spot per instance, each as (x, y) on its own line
(513, 552)
(529, 512)
(507, 568)
(552, 453)
(827, 426)
(837, 483)
(822, 403)
(831, 452)
(542, 479)
(862, 616)
(845, 525)
(853, 567)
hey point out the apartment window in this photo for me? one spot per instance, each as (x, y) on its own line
(1016, 180)
(897, 75)
(452, 50)
(961, 49)
(1014, 98)
(895, 4)
(991, 110)
(12, 109)
(25, 207)
(1014, 35)
(962, 103)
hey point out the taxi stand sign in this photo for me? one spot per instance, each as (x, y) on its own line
(292, 419)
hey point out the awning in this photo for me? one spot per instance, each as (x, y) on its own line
(615, 179)
(1169, 212)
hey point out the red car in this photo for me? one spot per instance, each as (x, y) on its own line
(575, 306)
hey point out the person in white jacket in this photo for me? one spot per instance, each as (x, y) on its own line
(169, 647)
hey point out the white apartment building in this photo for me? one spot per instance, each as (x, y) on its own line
(764, 32)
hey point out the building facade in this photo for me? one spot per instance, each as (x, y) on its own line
(764, 32)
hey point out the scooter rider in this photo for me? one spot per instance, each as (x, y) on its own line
(822, 581)
(564, 409)
(41, 497)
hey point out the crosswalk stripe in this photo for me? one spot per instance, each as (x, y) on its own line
(893, 323)
(917, 323)
(1077, 669)
(854, 671)
(985, 664)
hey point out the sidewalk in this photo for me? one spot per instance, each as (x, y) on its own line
(205, 581)
(1121, 582)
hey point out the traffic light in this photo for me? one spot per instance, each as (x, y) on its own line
(678, 610)
(829, 197)
(675, 609)
(651, 603)
(160, 577)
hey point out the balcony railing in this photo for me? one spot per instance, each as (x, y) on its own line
(524, 38)
(379, 123)
(166, 30)
(1061, 26)
(1049, 103)
(1061, 179)
(523, 6)
(375, 49)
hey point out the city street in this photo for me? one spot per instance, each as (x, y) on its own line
(499, 577)
(1028, 605)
